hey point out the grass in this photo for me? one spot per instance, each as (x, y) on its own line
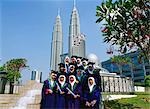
(142, 101)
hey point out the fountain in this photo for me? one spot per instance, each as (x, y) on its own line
(27, 99)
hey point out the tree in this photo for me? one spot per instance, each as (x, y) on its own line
(147, 81)
(1, 68)
(126, 24)
(13, 69)
(120, 61)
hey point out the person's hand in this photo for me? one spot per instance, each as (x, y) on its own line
(62, 92)
(68, 92)
(75, 96)
(78, 95)
(50, 91)
(46, 92)
(93, 103)
(87, 104)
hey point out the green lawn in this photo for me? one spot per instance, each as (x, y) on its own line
(142, 101)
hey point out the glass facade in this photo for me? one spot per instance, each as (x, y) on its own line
(139, 69)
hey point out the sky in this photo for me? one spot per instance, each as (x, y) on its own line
(26, 30)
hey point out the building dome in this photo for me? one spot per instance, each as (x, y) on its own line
(93, 58)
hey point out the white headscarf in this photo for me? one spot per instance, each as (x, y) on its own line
(72, 83)
(62, 82)
(91, 86)
(67, 58)
(85, 62)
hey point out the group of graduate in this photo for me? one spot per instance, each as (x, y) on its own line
(74, 86)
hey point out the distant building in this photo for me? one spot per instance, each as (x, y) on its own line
(36, 75)
(76, 40)
(3, 81)
(140, 69)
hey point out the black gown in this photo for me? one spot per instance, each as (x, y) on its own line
(48, 100)
(90, 96)
(74, 103)
(61, 98)
(96, 76)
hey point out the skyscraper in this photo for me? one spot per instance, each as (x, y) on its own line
(56, 44)
(76, 39)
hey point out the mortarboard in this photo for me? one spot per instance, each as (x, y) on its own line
(73, 56)
(80, 68)
(84, 59)
(90, 63)
(55, 72)
(61, 65)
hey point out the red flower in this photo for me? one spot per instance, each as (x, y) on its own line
(105, 30)
(142, 27)
(129, 32)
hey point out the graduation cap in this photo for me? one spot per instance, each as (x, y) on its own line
(60, 74)
(79, 57)
(70, 74)
(61, 65)
(53, 71)
(73, 56)
(84, 59)
(80, 68)
(71, 64)
(91, 63)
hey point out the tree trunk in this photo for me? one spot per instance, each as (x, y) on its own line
(132, 77)
(11, 88)
(132, 72)
(120, 69)
(143, 65)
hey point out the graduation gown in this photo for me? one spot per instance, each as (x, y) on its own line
(74, 103)
(90, 96)
(96, 76)
(48, 99)
(67, 68)
(81, 78)
(61, 98)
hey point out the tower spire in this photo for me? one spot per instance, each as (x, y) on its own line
(58, 12)
(74, 3)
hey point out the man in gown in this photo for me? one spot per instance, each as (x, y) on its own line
(80, 74)
(72, 69)
(79, 63)
(84, 63)
(49, 92)
(62, 70)
(91, 71)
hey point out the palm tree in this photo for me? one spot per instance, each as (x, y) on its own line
(120, 61)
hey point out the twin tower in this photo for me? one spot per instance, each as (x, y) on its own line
(76, 40)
